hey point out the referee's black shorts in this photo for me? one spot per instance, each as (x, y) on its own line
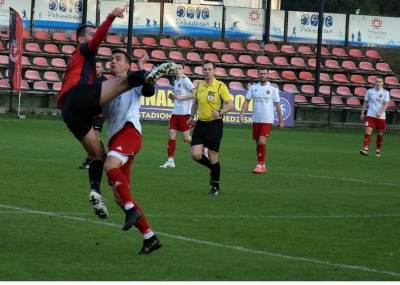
(208, 134)
(80, 106)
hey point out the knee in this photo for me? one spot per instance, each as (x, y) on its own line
(187, 139)
(196, 156)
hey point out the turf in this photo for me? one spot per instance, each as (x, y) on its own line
(322, 212)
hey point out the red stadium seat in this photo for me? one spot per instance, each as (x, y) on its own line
(371, 79)
(272, 74)
(236, 46)
(113, 39)
(317, 100)
(61, 37)
(42, 36)
(198, 70)
(58, 62)
(253, 73)
(235, 85)
(138, 52)
(219, 71)
(7, 73)
(289, 75)
(40, 85)
(288, 49)
(246, 59)
(176, 55)
(4, 83)
(32, 47)
(336, 101)
(383, 67)
(340, 78)
(195, 82)
(25, 61)
(324, 77)
(219, 45)
(270, 48)
(392, 105)
(193, 56)
(360, 91)
(306, 50)
(305, 75)
(312, 62)
(163, 82)
(372, 54)
(40, 61)
(51, 48)
(148, 66)
(343, 91)
(57, 86)
(263, 60)
(134, 66)
(366, 65)
(184, 43)
(150, 42)
(104, 51)
(349, 65)
(356, 53)
(331, 63)
(24, 85)
(32, 75)
(392, 81)
(353, 102)
(67, 49)
(300, 99)
(187, 70)
(297, 61)
(51, 76)
(201, 44)
(290, 88)
(158, 54)
(325, 90)
(73, 37)
(26, 35)
(165, 42)
(395, 93)
(228, 58)
(307, 89)
(135, 41)
(253, 47)
(324, 51)
(339, 52)
(281, 61)
(211, 57)
(356, 78)
(249, 84)
(2, 47)
(1, 76)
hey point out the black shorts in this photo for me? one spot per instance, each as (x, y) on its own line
(98, 122)
(80, 106)
(208, 134)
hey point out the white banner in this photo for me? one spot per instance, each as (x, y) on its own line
(374, 31)
(192, 20)
(63, 14)
(244, 23)
(146, 17)
(303, 28)
(23, 7)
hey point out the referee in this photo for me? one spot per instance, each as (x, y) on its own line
(212, 101)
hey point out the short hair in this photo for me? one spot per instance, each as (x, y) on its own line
(263, 68)
(80, 32)
(180, 63)
(379, 77)
(127, 57)
(209, 61)
(98, 60)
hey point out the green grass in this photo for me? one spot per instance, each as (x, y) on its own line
(322, 212)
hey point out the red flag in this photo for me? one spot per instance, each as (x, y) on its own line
(16, 45)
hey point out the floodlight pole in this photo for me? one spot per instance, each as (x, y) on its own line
(84, 12)
(267, 21)
(319, 45)
(130, 26)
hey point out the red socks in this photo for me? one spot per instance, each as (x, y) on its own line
(171, 148)
(367, 139)
(379, 140)
(261, 149)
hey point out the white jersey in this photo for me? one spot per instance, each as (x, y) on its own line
(376, 100)
(183, 87)
(123, 109)
(264, 99)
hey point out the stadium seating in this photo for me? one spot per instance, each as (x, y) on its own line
(104, 51)
(307, 89)
(150, 42)
(219, 45)
(252, 73)
(281, 61)
(7, 73)
(253, 47)
(73, 37)
(306, 50)
(211, 57)
(297, 61)
(228, 58)
(371, 79)
(272, 74)
(288, 75)
(235, 85)
(26, 35)
(184, 43)
(325, 90)
(51, 48)
(148, 66)
(290, 88)
(165, 42)
(113, 39)
(198, 70)
(336, 101)
(67, 49)
(138, 52)
(134, 66)
(383, 67)
(2, 47)
(263, 60)
(312, 62)
(343, 91)
(353, 102)
(372, 54)
(305, 75)
(4, 83)
(41, 36)
(24, 85)
(187, 70)
(59, 36)
(360, 91)
(108, 64)
(392, 81)
(355, 78)
(366, 65)
(40, 85)
(57, 86)
(288, 49)
(340, 78)
(349, 65)
(51, 76)
(25, 61)
(219, 71)
(176, 55)
(395, 93)
(324, 77)
(332, 64)
(246, 59)
(33, 47)
(195, 82)
(249, 84)
(163, 81)
(324, 51)
(158, 54)
(236, 46)
(32, 75)
(339, 52)
(58, 62)
(392, 105)
(317, 100)
(201, 44)
(193, 56)
(356, 53)
(40, 61)
(135, 41)
(300, 99)
(270, 48)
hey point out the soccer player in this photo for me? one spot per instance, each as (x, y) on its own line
(124, 141)
(378, 99)
(81, 98)
(212, 101)
(184, 92)
(265, 97)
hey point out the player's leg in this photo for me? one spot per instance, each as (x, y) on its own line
(172, 132)
(263, 132)
(369, 125)
(213, 142)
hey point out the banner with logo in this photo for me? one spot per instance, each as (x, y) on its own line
(303, 28)
(146, 17)
(63, 14)
(374, 31)
(159, 107)
(22, 7)
(15, 53)
(244, 23)
(193, 20)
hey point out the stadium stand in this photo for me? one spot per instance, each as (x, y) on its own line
(383, 67)
(113, 39)
(25, 61)
(67, 49)
(148, 66)
(325, 90)
(312, 62)
(73, 37)
(290, 88)
(281, 61)
(366, 66)
(340, 78)
(195, 82)
(288, 49)
(373, 54)
(317, 100)
(246, 59)
(392, 81)
(237, 46)
(219, 45)
(32, 75)
(371, 79)
(300, 99)
(51, 76)
(211, 57)
(271, 48)
(60, 37)
(297, 61)
(40, 85)
(165, 42)
(392, 105)
(219, 71)
(272, 74)
(349, 65)
(58, 62)
(289, 75)
(201, 45)
(184, 43)
(51, 48)
(176, 55)
(358, 79)
(395, 93)
(343, 91)
(104, 51)
(332, 64)
(24, 85)
(158, 54)
(187, 70)
(26, 35)
(337, 102)
(306, 75)
(353, 102)
(360, 91)
(4, 83)
(263, 60)
(150, 42)
(306, 50)
(340, 52)
(307, 89)
(253, 47)
(57, 86)
(324, 51)
(135, 41)
(235, 85)
(138, 52)
(134, 66)
(40, 61)
(193, 56)
(253, 73)
(32, 47)
(2, 47)
(228, 58)
(163, 82)
(198, 70)
(324, 77)
(41, 36)
(356, 53)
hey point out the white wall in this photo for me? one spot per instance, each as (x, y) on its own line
(275, 4)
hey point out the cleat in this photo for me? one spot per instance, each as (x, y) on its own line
(214, 191)
(205, 152)
(377, 153)
(131, 218)
(86, 163)
(168, 164)
(259, 170)
(364, 152)
(160, 71)
(150, 245)
(99, 207)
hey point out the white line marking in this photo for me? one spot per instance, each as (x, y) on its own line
(239, 248)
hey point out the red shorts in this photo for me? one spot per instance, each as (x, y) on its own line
(179, 123)
(127, 141)
(261, 130)
(379, 124)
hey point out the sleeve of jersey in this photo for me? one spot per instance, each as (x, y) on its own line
(225, 95)
(276, 95)
(387, 96)
(249, 94)
(100, 34)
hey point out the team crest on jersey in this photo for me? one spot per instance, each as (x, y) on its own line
(268, 92)
(210, 96)
(179, 85)
(14, 47)
(380, 95)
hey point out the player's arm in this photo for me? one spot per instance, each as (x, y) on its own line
(190, 96)
(385, 106)
(142, 61)
(279, 112)
(364, 107)
(193, 111)
(228, 100)
(244, 108)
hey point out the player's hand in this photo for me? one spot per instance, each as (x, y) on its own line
(142, 61)
(117, 12)
(379, 115)
(281, 125)
(190, 121)
(241, 117)
(362, 117)
(171, 96)
(215, 114)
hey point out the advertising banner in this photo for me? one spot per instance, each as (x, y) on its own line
(146, 17)
(159, 107)
(192, 20)
(374, 31)
(23, 7)
(244, 23)
(15, 53)
(303, 28)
